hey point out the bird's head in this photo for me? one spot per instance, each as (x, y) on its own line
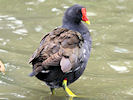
(76, 14)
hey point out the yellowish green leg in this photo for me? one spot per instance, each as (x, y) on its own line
(68, 91)
(52, 91)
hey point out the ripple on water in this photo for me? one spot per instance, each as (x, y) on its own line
(1, 39)
(118, 68)
(65, 7)
(121, 50)
(10, 18)
(3, 51)
(4, 98)
(3, 42)
(3, 83)
(18, 95)
(29, 3)
(34, 3)
(38, 28)
(58, 11)
(12, 94)
(10, 22)
(3, 16)
(1, 28)
(128, 91)
(7, 78)
(91, 14)
(41, 0)
(20, 31)
(131, 20)
(121, 7)
(19, 23)
(121, 0)
(29, 9)
(11, 67)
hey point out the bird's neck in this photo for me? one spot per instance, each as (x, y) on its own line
(75, 26)
(71, 24)
(79, 27)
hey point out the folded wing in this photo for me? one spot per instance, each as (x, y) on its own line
(59, 48)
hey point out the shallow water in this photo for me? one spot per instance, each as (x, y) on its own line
(108, 75)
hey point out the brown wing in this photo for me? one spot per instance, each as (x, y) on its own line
(38, 50)
(61, 47)
(71, 50)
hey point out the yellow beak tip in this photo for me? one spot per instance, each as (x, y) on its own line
(88, 22)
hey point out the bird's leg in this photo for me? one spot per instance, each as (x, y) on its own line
(68, 91)
(52, 91)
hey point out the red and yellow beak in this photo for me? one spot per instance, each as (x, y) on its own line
(84, 16)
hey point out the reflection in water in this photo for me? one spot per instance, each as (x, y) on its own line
(65, 98)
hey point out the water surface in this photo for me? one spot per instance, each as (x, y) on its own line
(109, 73)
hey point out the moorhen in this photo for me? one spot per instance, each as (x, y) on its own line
(63, 53)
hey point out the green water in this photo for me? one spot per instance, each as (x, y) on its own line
(109, 73)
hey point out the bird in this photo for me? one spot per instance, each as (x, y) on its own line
(63, 53)
(2, 67)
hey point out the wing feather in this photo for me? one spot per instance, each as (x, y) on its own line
(61, 47)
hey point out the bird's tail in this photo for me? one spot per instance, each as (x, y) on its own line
(36, 71)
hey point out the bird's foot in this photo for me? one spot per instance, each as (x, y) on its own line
(68, 91)
(52, 91)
